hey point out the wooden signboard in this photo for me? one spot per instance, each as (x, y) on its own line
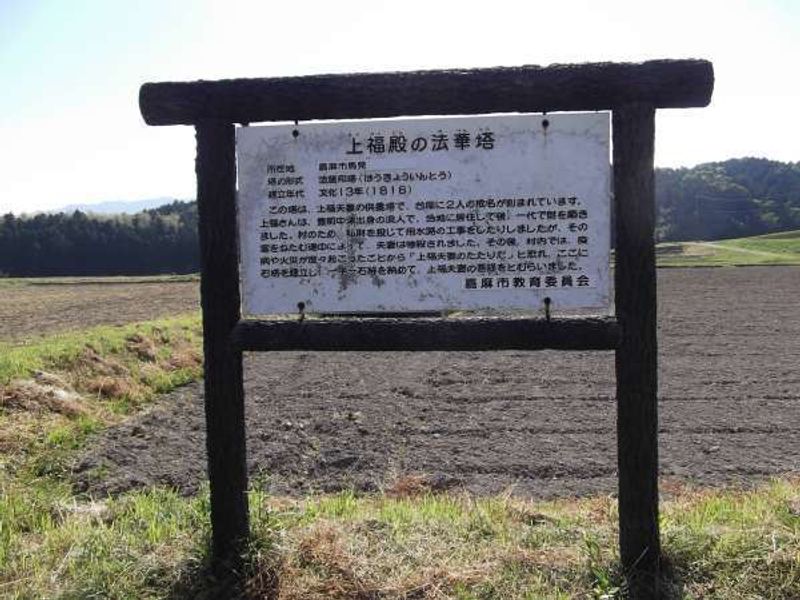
(632, 92)
(469, 213)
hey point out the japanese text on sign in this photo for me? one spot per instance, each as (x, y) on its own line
(425, 214)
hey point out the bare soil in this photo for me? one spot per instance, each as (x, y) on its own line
(30, 311)
(540, 423)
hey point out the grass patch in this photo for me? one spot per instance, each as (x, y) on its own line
(76, 357)
(785, 243)
(772, 249)
(737, 544)
(407, 542)
(131, 547)
(54, 392)
(730, 544)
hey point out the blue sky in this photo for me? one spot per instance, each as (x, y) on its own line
(70, 130)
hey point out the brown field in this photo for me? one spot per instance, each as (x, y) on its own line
(32, 310)
(540, 423)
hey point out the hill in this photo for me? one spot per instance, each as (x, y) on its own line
(160, 240)
(731, 199)
(736, 198)
(771, 249)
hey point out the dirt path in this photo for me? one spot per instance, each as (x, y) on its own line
(540, 423)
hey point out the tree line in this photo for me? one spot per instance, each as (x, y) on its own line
(155, 241)
(734, 198)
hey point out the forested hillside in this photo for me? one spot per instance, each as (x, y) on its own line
(161, 240)
(734, 198)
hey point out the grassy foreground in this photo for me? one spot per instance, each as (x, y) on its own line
(772, 249)
(405, 542)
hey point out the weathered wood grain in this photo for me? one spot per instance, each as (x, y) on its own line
(591, 86)
(219, 296)
(631, 91)
(636, 356)
(427, 334)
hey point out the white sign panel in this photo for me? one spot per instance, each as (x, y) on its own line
(494, 212)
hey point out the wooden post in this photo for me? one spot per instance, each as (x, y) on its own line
(224, 390)
(428, 334)
(636, 357)
(592, 86)
(633, 91)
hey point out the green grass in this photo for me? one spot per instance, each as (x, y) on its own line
(132, 547)
(49, 535)
(772, 249)
(787, 242)
(723, 544)
(61, 353)
(405, 542)
(55, 392)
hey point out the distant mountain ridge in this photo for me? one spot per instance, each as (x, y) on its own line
(117, 207)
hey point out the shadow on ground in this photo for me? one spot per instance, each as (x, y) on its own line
(200, 581)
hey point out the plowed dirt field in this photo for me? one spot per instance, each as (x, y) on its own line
(538, 423)
(32, 310)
